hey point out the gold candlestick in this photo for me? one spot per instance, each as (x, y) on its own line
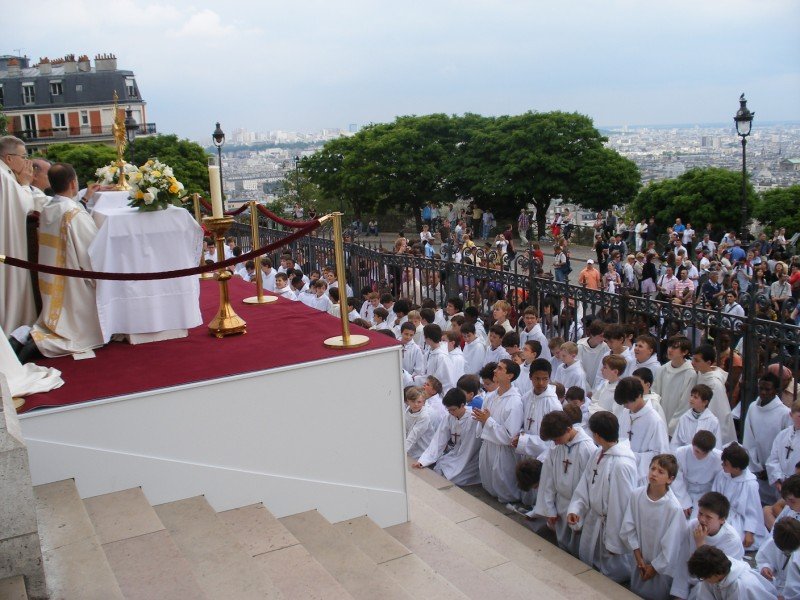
(226, 321)
(199, 218)
(345, 340)
(259, 298)
(120, 141)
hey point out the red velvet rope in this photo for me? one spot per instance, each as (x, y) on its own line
(280, 220)
(80, 274)
(230, 213)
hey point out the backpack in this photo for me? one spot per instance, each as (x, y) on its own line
(566, 268)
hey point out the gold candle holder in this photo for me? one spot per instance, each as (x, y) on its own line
(199, 218)
(226, 321)
(345, 340)
(18, 403)
(259, 298)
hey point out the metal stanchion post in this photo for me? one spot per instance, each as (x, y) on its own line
(259, 298)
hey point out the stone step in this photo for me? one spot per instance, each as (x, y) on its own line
(74, 562)
(280, 556)
(146, 561)
(13, 588)
(407, 569)
(342, 559)
(555, 567)
(222, 567)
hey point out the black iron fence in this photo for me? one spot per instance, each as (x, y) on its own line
(482, 277)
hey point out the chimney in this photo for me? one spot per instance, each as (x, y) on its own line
(105, 62)
(45, 68)
(84, 66)
(70, 66)
(13, 67)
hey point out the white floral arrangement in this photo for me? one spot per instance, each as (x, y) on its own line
(109, 175)
(154, 187)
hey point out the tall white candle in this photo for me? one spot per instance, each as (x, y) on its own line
(216, 192)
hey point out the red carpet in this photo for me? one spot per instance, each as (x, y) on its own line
(278, 334)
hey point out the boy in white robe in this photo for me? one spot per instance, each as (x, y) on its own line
(576, 397)
(645, 375)
(765, 419)
(500, 421)
(698, 465)
(455, 356)
(724, 578)
(708, 528)
(437, 363)
(562, 469)
(785, 452)
(698, 418)
(590, 351)
(454, 449)
(413, 361)
(654, 528)
(320, 301)
(739, 485)
(474, 351)
(773, 558)
(703, 360)
(640, 425)
(598, 505)
(614, 337)
(644, 353)
(471, 386)
(570, 372)
(533, 331)
(674, 381)
(282, 287)
(432, 391)
(536, 404)
(368, 308)
(495, 351)
(611, 369)
(419, 427)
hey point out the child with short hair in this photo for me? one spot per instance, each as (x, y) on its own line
(772, 559)
(698, 418)
(644, 354)
(698, 465)
(437, 363)
(646, 377)
(379, 316)
(471, 386)
(554, 345)
(453, 450)
(495, 351)
(536, 404)
(740, 486)
(570, 372)
(639, 423)
(598, 504)
(726, 579)
(785, 451)
(419, 426)
(675, 380)
(510, 342)
(528, 474)
(368, 308)
(415, 318)
(577, 397)
(454, 354)
(563, 467)
(500, 311)
(474, 351)
(282, 287)
(654, 528)
(432, 390)
(531, 350)
(413, 361)
(612, 366)
(532, 331)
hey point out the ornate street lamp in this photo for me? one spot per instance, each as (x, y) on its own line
(218, 138)
(297, 177)
(131, 127)
(744, 122)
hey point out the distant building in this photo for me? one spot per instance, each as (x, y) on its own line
(790, 164)
(68, 100)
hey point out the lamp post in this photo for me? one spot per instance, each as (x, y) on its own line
(131, 126)
(744, 122)
(297, 177)
(219, 140)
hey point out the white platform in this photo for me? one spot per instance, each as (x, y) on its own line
(325, 435)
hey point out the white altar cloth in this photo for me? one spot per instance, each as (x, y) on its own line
(109, 199)
(130, 241)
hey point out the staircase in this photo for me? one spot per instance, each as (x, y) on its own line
(118, 546)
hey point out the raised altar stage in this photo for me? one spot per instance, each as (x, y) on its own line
(271, 416)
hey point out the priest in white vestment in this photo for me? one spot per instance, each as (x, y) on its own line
(16, 201)
(27, 379)
(68, 323)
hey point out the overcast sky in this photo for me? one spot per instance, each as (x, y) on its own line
(309, 64)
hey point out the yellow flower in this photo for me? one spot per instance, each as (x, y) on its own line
(174, 189)
(156, 173)
(139, 195)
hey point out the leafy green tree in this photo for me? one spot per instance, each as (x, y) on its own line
(85, 158)
(700, 196)
(604, 179)
(3, 122)
(780, 208)
(188, 160)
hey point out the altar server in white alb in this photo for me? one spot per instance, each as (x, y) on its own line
(697, 418)
(674, 381)
(413, 361)
(640, 425)
(453, 451)
(765, 419)
(474, 350)
(598, 505)
(698, 465)
(785, 451)
(703, 359)
(725, 578)
(540, 401)
(68, 323)
(562, 469)
(500, 420)
(419, 423)
(737, 483)
(437, 363)
(773, 558)
(654, 529)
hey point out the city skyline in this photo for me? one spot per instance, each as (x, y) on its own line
(319, 65)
